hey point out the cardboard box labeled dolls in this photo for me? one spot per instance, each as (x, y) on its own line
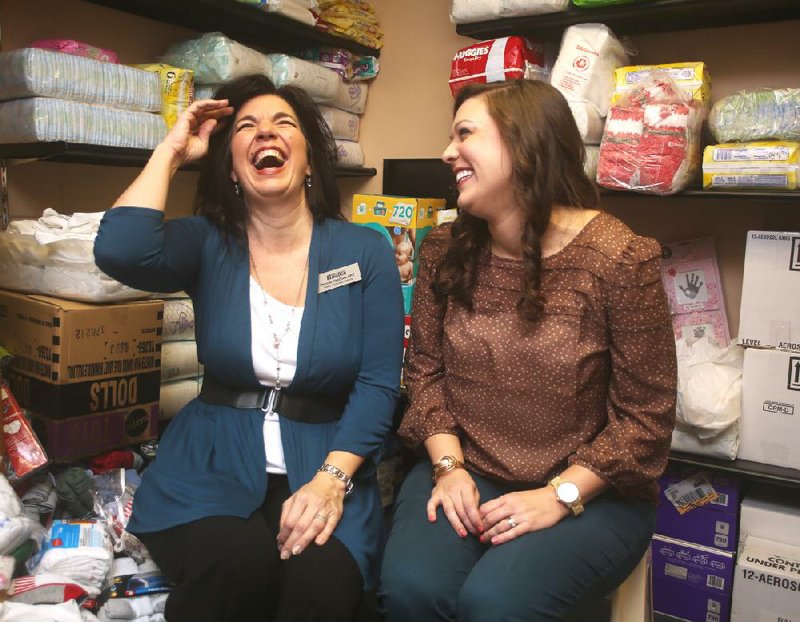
(72, 358)
(404, 222)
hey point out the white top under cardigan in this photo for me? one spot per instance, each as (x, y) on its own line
(265, 360)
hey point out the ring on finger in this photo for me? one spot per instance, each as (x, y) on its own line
(321, 516)
(511, 522)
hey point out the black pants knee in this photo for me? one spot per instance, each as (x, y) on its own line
(227, 569)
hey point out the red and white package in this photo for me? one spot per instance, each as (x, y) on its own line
(651, 142)
(497, 60)
(25, 453)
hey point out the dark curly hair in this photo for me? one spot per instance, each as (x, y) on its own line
(547, 157)
(215, 197)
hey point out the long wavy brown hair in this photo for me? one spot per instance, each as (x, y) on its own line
(547, 156)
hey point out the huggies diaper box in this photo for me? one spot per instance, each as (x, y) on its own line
(404, 222)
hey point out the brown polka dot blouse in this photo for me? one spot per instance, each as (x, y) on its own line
(591, 382)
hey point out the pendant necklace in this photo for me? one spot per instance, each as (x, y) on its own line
(277, 340)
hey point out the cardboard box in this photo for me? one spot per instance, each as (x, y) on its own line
(404, 222)
(691, 582)
(770, 311)
(771, 517)
(70, 439)
(714, 524)
(767, 585)
(770, 425)
(73, 358)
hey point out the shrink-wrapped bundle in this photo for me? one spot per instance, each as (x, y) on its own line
(768, 165)
(757, 115)
(42, 119)
(587, 59)
(590, 123)
(215, 58)
(497, 60)
(467, 11)
(349, 154)
(651, 142)
(343, 125)
(351, 96)
(320, 83)
(33, 72)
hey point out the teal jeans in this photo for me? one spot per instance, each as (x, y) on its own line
(431, 574)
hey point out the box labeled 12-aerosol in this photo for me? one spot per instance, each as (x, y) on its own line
(770, 311)
(72, 358)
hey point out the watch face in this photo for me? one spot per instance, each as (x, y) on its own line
(568, 492)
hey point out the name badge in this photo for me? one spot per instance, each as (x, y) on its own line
(339, 277)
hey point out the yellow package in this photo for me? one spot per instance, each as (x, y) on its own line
(764, 165)
(691, 77)
(404, 222)
(177, 89)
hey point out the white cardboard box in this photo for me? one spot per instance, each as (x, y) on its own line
(770, 426)
(770, 311)
(766, 587)
(764, 516)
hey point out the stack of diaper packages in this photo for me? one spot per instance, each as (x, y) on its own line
(303, 11)
(181, 372)
(652, 139)
(469, 11)
(583, 72)
(759, 141)
(48, 95)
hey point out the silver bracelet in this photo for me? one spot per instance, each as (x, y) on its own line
(340, 475)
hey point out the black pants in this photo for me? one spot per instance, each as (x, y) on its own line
(228, 569)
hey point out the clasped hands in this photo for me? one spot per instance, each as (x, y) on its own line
(310, 515)
(499, 520)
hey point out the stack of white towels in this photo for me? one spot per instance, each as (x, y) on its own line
(48, 96)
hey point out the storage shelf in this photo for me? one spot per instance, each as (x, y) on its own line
(753, 471)
(244, 23)
(711, 195)
(640, 17)
(78, 153)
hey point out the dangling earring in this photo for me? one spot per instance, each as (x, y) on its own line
(308, 181)
(237, 189)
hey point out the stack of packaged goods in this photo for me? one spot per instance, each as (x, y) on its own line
(769, 328)
(759, 134)
(351, 19)
(709, 364)
(652, 138)
(587, 59)
(54, 94)
(181, 372)
(694, 546)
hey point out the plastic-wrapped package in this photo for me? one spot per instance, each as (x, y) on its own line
(41, 119)
(320, 83)
(590, 163)
(298, 10)
(757, 115)
(76, 48)
(175, 395)
(32, 72)
(497, 60)
(692, 77)
(771, 165)
(215, 58)
(651, 142)
(467, 11)
(587, 59)
(349, 153)
(343, 125)
(351, 96)
(179, 360)
(335, 59)
(205, 91)
(178, 320)
(177, 89)
(594, 3)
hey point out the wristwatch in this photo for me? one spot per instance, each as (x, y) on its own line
(445, 464)
(568, 493)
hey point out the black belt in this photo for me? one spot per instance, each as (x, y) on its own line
(303, 407)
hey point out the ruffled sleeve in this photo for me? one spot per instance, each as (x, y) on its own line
(633, 448)
(424, 371)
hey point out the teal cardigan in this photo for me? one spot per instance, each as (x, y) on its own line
(211, 459)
